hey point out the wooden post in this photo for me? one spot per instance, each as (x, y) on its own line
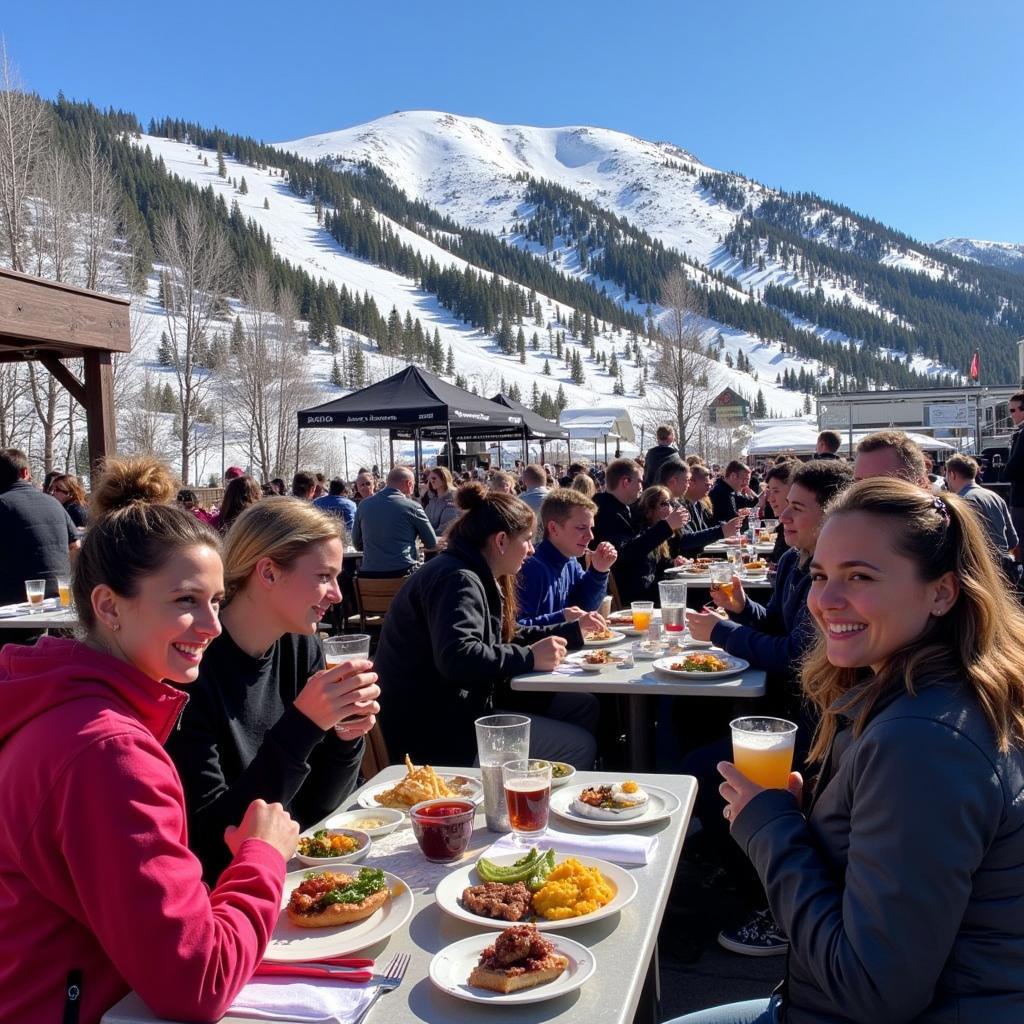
(99, 410)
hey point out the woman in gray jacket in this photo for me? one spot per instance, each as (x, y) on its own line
(440, 504)
(901, 884)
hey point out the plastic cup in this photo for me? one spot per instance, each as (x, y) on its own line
(499, 739)
(605, 608)
(35, 591)
(64, 589)
(528, 795)
(721, 577)
(643, 612)
(673, 606)
(762, 748)
(339, 649)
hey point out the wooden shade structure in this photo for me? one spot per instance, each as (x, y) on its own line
(48, 322)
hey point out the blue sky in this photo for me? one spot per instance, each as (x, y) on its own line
(909, 111)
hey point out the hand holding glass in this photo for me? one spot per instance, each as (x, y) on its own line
(340, 650)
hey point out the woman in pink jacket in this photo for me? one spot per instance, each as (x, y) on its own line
(99, 893)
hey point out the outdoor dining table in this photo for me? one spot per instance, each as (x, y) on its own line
(719, 547)
(624, 988)
(49, 618)
(641, 685)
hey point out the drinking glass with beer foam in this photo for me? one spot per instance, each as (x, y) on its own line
(35, 591)
(528, 795)
(721, 577)
(338, 650)
(64, 589)
(762, 748)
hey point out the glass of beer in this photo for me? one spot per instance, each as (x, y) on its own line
(338, 650)
(673, 606)
(528, 795)
(35, 591)
(721, 577)
(642, 611)
(64, 589)
(762, 748)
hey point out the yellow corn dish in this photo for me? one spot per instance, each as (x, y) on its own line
(572, 890)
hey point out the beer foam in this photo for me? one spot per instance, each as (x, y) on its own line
(763, 740)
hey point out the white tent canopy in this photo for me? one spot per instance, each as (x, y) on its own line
(800, 437)
(595, 424)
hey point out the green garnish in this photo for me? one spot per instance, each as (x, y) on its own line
(364, 885)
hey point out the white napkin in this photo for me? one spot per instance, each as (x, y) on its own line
(309, 1000)
(618, 847)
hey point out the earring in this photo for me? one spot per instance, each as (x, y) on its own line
(115, 626)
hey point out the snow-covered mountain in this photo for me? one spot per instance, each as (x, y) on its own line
(1009, 255)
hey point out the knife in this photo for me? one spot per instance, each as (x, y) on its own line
(311, 971)
(333, 961)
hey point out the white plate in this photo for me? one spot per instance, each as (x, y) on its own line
(662, 804)
(290, 944)
(450, 970)
(579, 659)
(472, 789)
(627, 627)
(648, 655)
(358, 854)
(615, 637)
(449, 892)
(736, 665)
(350, 819)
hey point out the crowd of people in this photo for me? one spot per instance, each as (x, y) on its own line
(157, 766)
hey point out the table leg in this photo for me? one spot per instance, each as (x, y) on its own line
(648, 1010)
(639, 733)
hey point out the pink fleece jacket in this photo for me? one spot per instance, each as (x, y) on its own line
(95, 872)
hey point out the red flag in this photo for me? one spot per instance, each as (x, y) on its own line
(975, 370)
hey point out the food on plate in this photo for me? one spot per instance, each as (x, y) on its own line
(418, 785)
(604, 657)
(621, 618)
(572, 890)
(755, 566)
(504, 900)
(324, 843)
(366, 823)
(520, 958)
(599, 634)
(617, 800)
(700, 663)
(532, 869)
(561, 770)
(326, 899)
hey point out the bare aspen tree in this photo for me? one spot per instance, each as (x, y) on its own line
(290, 390)
(255, 372)
(25, 131)
(100, 203)
(13, 382)
(54, 209)
(197, 258)
(47, 396)
(680, 372)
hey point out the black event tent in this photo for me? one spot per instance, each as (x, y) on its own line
(537, 428)
(415, 404)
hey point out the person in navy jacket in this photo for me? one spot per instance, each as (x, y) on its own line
(553, 586)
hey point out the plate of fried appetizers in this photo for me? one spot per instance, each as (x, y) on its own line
(520, 965)
(337, 912)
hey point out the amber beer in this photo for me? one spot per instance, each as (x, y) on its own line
(528, 796)
(762, 749)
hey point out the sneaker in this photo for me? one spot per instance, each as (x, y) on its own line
(760, 936)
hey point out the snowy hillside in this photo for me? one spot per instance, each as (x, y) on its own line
(994, 254)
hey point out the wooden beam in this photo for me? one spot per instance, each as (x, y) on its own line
(99, 410)
(36, 310)
(64, 376)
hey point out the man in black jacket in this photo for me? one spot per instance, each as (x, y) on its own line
(732, 492)
(614, 523)
(828, 445)
(675, 476)
(657, 456)
(1013, 471)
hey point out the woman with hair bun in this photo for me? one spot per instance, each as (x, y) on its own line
(100, 892)
(261, 719)
(451, 643)
(900, 883)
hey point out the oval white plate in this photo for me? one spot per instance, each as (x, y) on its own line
(615, 637)
(473, 789)
(291, 944)
(350, 819)
(354, 857)
(736, 665)
(662, 804)
(451, 967)
(449, 891)
(579, 659)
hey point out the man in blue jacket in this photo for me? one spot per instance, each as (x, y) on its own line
(553, 586)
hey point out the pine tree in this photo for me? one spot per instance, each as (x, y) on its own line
(237, 337)
(243, 188)
(561, 402)
(449, 366)
(164, 351)
(266, 203)
(613, 364)
(535, 342)
(760, 409)
(222, 167)
(534, 397)
(515, 394)
(577, 374)
(547, 368)
(356, 364)
(641, 387)
(336, 378)
(521, 345)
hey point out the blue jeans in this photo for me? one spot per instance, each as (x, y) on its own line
(755, 1011)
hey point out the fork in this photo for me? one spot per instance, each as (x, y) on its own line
(391, 979)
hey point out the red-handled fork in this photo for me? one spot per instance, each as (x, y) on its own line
(311, 971)
(333, 961)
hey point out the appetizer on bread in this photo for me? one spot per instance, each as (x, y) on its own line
(327, 898)
(520, 958)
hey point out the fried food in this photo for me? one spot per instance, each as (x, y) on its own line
(598, 657)
(700, 663)
(572, 890)
(617, 800)
(500, 900)
(326, 899)
(520, 958)
(599, 634)
(419, 784)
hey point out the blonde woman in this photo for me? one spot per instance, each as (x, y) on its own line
(900, 883)
(261, 721)
(502, 482)
(440, 505)
(584, 483)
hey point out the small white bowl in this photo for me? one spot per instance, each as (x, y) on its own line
(389, 817)
(557, 781)
(342, 858)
